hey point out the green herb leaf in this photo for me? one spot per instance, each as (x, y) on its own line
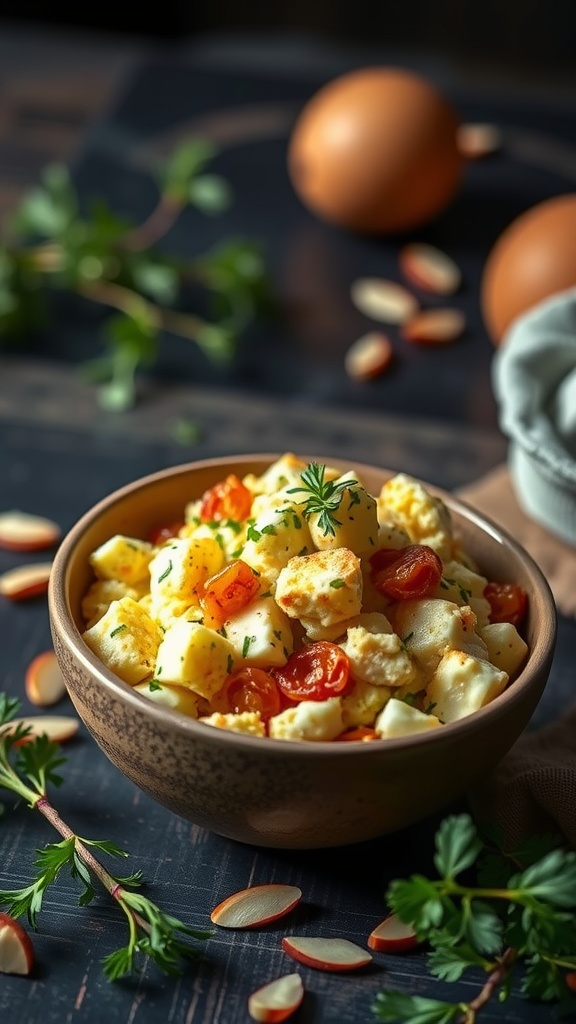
(324, 497)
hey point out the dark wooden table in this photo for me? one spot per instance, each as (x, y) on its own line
(117, 108)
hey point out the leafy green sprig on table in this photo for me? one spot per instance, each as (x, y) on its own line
(104, 258)
(27, 767)
(520, 915)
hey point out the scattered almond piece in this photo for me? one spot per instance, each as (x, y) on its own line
(25, 581)
(277, 1000)
(383, 300)
(435, 326)
(256, 906)
(21, 531)
(369, 356)
(57, 728)
(428, 267)
(478, 140)
(44, 682)
(326, 954)
(16, 949)
(393, 935)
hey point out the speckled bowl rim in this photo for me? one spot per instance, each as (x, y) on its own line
(60, 611)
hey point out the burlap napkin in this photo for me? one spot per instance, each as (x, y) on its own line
(533, 790)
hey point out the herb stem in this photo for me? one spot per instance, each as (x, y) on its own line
(156, 225)
(112, 886)
(494, 980)
(135, 305)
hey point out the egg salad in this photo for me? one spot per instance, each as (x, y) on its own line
(296, 605)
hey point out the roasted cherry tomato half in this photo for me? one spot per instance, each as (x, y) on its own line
(406, 573)
(316, 672)
(229, 499)
(508, 602)
(160, 534)
(227, 592)
(252, 689)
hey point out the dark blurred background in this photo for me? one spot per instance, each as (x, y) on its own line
(532, 39)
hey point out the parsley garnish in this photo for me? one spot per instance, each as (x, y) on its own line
(337, 584)
(154, 685)
(119, 629)
(520, 914)
(325, 497)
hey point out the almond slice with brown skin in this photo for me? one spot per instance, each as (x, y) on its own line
(44, 683)
(369, 356)
(393, 935)
(326, 954)
(477, 140)
(57, 728)
(435, 326)
(256, 906)
(16, 949)
(383, 300)
(277, 1000)
(25, 581)
(21, 531)
(428, 267)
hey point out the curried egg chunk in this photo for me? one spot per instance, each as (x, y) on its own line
(122, 558)
(100, 595)
(179, 567)
(126, 639)
(463, 684)
(361, 705)
(406, 503)
(430, 626)
(324, 587)
(178, 698)
(275, 537)
(248, 722)
(261, 634)
(506, 648)
(229, 534)
(400, 719)
(309, 720)
(380, 658)
(462, 585)
(192, 655)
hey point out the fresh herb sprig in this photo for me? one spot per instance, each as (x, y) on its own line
(51, 244)
(27, 766)
(324, 497)
(520, 916)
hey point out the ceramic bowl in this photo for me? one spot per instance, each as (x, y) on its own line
(275, 793)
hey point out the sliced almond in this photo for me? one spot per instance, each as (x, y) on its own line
(44, 682)
(478, 140)
(25, 581)
(393, 935)
(16, 949)
(326, 954)
(435, 326)
(57, 728)
(21, 531)
(383, 300)
(369, 356)
(256, 906)
(430, 268)
(277, 1000)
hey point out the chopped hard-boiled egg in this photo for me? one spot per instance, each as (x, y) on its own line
(282, 623)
